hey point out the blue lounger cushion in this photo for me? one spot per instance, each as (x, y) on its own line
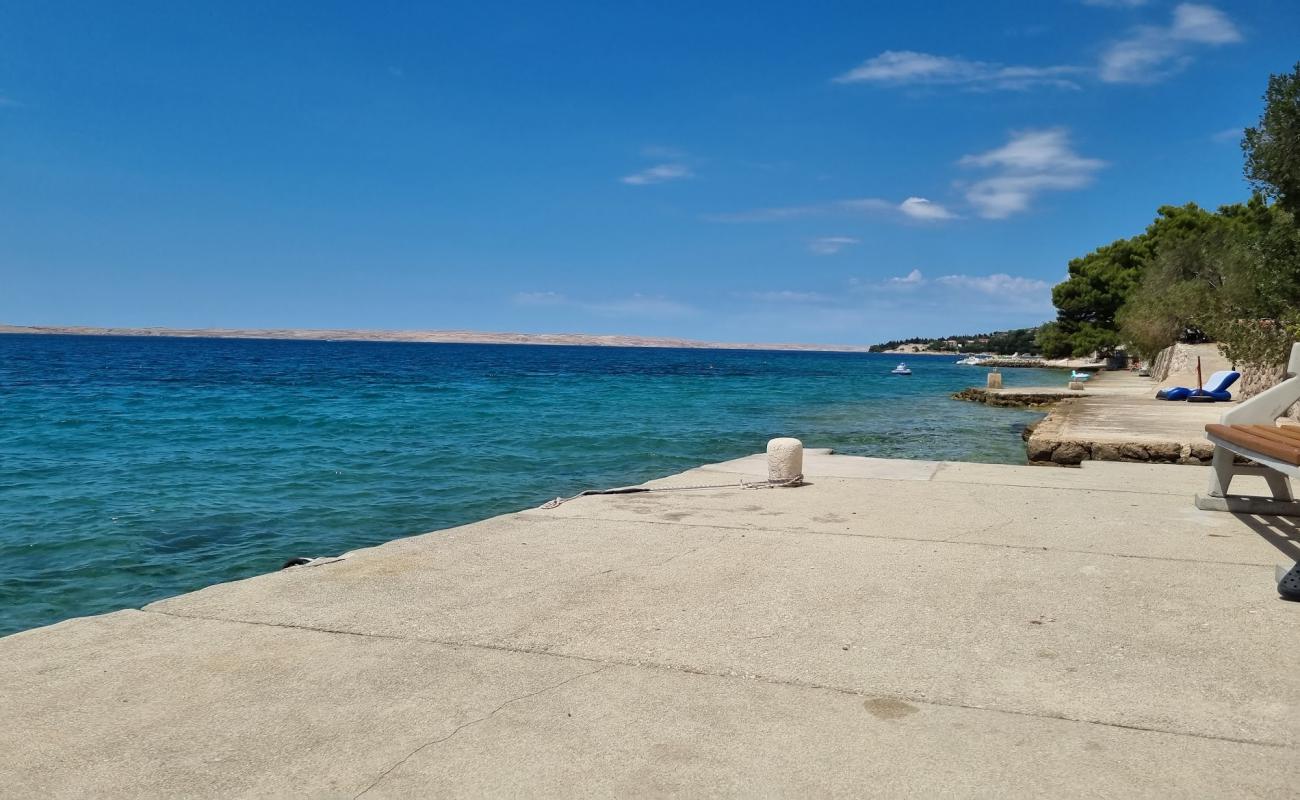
(1216, 387)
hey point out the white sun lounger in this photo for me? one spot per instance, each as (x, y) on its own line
(1250, 430)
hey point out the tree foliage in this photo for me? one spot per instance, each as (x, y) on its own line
(1232, 275)
(1019, 340)
(1272, 148)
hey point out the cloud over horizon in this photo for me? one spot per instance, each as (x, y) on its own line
(830, 245)
(911, 68)
(1020, 293)
(659, 173)
(1150, 53)
(1030, 163)
(1146, 54)
(913, 208)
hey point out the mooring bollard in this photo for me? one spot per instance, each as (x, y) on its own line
(784, 460)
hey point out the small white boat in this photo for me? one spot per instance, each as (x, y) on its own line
(971, 361)
(901, 369)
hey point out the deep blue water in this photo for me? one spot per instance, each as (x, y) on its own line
(136, 468)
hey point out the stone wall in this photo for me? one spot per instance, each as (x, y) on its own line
(1257, 380)
(1180, 359)
(1043, 450)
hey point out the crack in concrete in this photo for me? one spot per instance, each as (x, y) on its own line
(731, 675)
(474, 722)
(957, 541)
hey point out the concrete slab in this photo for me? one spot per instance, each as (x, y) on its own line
(135, 704)
(917, 629)
(1000, 505)
(1122, 419)
(1021, 629)
(634, 732)
(198, 708)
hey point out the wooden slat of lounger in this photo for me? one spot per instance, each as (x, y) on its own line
(1243, 436)
(1290, 432)
(1272, 435)
(1275, 433)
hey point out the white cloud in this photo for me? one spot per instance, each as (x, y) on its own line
(908, 67)
(660, 173)
(920, 208)
(999, 284)
(1229, 135)
(1203, 24)
(830, 245)
(1150, 53)
(999, 289)
(913, 208)
(913, 278)
(1032, 162)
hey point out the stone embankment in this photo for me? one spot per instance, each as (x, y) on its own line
(1045, 451)
(1007, 361)
(1014, 398)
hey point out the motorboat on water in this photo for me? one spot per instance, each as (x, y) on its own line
(971, 361)
(901, 369)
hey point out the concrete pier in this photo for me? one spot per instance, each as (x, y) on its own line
(894, 628)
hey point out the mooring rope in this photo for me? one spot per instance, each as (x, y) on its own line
(742, 484)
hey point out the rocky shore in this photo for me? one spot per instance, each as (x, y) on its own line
(1013, 398)
(431, 336)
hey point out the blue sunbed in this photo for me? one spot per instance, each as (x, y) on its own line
(1216, 387)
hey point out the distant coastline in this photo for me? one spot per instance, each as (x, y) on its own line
(430, 336)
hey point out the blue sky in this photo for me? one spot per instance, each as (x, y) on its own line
(816, 172)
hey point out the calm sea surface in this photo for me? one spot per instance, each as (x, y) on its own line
(136, 468)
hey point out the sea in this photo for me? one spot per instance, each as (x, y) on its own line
(135, 468)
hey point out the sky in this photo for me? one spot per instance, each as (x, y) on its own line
(824, 172)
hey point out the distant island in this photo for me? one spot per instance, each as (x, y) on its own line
(1003, 343)
(445, 337)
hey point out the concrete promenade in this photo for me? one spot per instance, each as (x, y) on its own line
(1118, 418)
(896, 628)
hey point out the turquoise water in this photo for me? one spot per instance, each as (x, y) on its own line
(136, 468)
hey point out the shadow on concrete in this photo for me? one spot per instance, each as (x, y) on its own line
(1281, 532)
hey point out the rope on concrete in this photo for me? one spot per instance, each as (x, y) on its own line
(742, 484)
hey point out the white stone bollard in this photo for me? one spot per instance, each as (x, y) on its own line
(784, 460)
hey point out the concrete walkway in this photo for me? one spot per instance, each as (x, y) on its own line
(897, 628)
(1116, 418)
